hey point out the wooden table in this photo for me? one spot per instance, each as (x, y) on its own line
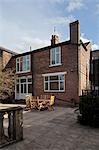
(42, 103)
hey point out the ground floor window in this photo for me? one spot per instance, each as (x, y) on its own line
(54, 82)
(23, 86)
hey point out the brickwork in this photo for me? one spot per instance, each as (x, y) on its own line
(74, 58)
(11, 64)
(75, 32)
(84, 66)
(7, 65)
(42, 66)
(6, 58)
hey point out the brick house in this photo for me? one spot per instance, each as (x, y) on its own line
(61, 69)
(95, 70)
(7, 70)
(5, 57)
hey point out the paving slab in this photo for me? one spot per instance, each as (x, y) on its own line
(55, 130)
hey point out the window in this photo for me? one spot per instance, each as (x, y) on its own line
(24, 85)
(54, 83)
(23, 64)
(29, 80)
(55, 56)
(29, 88)
(17, 88)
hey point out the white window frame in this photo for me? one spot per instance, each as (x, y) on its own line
(27, 83)
(18, 61)
(54, 74)
(56, 64)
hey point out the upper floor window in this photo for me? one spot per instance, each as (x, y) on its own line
(55, 56)
(23, 64)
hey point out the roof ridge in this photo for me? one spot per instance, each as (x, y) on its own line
(7, 50)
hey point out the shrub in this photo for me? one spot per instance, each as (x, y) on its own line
(89, 110)
(7, 81)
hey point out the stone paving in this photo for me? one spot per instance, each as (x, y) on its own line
(55, 130)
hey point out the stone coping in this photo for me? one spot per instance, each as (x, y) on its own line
(10, 107)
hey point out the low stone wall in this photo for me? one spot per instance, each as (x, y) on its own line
(13, 131)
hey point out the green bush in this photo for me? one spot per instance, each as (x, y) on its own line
(89, 110)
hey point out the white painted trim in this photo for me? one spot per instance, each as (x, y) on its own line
(56, 91)
(48, 82)
(56, 64)
(22, 95)
(26, 64)
(29, 76)
(55, 73)
(22, 71)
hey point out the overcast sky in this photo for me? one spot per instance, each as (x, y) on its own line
(25, 23)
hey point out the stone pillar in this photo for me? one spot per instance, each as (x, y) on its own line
(18, 124)
(15, 127)
(10, 127)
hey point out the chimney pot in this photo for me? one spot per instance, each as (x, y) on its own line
(54, 39)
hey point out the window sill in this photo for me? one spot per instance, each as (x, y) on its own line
(55, 91)
(55, 65)
(22, 72)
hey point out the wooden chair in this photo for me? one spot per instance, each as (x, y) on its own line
(27, 100)
(33, 102)
(40, 104)
(50, 103)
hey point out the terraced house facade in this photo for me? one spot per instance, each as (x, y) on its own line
(61, 69)
(5, 57)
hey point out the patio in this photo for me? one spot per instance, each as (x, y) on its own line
(55, 130)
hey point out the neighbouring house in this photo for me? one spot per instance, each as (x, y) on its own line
(95, 71)
(7, 74)
(5, 56)
(61, 69)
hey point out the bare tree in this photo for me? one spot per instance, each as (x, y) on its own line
(7, 79)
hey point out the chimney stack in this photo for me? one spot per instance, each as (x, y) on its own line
(54, 40)
(75, 32)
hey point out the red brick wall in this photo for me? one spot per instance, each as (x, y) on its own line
(75, 32)
(41, 64)
(6, 58)
(84, 58)
(11, 64)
